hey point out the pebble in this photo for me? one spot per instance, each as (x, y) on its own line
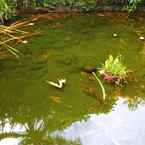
(141, 38)
(24, 41)
(142, 86)
(89, 69)
(31, 24)
(115, 35)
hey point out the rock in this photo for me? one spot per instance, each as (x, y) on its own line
(24, 41)
(115, 35)
(141, 38)
(89, 69)
(31, 24)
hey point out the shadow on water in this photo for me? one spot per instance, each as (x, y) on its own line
(33, 112)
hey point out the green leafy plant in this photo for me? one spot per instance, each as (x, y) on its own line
(83, 5)
(132, 5)
(115, 66)
(113, 70)
(4, 10)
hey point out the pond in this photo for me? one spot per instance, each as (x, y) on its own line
(34, 112)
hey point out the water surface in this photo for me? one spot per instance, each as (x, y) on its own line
(31, 110)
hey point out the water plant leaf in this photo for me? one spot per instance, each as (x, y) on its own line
(113, 70)
(101, 85)
(115, 66)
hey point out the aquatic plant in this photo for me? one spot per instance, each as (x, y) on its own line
(113, 70)
(101, 85)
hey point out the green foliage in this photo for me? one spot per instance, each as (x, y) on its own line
(132, 5)
(6, 6)
(88, 5)
(115, 67)
(4, 10)
(85, 5)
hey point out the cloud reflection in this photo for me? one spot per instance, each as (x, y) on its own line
(119, 127)
(10, 141)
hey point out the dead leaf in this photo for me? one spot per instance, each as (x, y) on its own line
(55, 99)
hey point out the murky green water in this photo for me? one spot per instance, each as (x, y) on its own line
(33, 112)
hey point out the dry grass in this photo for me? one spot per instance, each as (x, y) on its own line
(13, 34)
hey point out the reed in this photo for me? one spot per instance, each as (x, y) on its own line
(12, 34)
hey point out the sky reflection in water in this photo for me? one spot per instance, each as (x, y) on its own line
(10, 141)
(119, 127)
(19, 82)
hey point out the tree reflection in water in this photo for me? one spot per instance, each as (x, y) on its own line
(32, 133)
